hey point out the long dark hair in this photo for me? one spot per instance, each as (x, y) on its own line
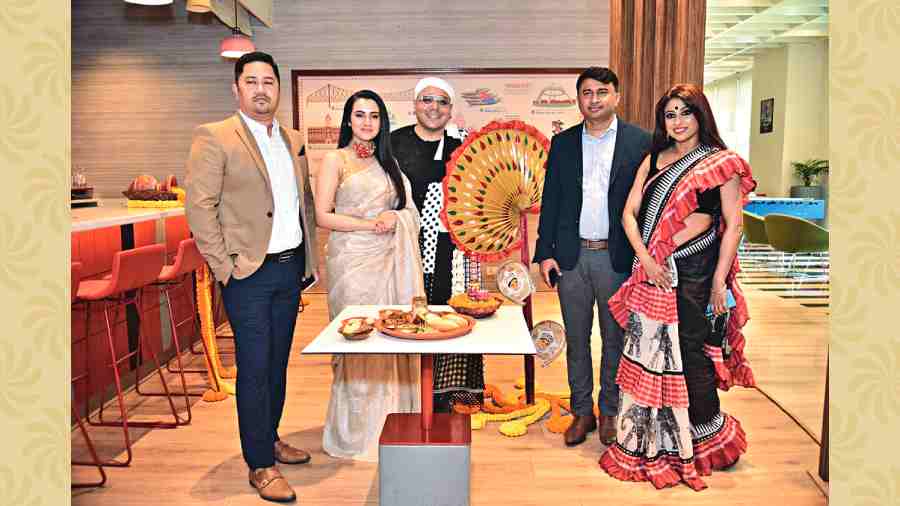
(699, 105)
(383, 152)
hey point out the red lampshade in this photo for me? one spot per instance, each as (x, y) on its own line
(236, 45)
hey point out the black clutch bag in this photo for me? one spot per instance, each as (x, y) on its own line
(718, 323)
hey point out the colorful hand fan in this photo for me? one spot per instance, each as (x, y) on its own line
(492, 179)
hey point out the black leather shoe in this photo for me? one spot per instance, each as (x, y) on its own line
(578, 431)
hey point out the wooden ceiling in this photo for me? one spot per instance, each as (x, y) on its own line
(738, 29)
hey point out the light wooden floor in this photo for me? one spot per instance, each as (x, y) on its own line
(202, 464)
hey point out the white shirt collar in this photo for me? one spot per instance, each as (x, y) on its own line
(613, 127)
(257, 128)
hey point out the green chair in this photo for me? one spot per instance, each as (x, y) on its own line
(754, 229)
(754, 248)
(793, 236)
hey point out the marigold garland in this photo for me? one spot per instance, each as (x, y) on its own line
(220, 389)
(519, 427)
(515, 415)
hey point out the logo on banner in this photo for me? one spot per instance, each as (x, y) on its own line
(553, 96)
(481, 96)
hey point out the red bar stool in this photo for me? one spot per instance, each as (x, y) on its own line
(132, 270)
(172, 277)
(187, 260)
(95, 460)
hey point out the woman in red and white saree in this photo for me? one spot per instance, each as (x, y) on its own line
(683, 218)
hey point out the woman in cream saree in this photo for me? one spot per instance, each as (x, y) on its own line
(372, 258)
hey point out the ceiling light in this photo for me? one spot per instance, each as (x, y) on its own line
(236, 44)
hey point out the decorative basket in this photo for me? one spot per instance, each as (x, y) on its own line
(479, 312)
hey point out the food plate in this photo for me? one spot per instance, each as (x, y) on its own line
(424, 336)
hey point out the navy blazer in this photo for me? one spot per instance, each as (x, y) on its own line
(558, 235)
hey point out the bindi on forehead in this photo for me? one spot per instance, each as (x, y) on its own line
(676, 106)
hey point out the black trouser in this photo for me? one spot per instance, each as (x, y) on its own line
(465, 372)
(695, 275)
(262, 309)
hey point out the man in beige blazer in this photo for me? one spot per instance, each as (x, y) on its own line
(250, 208)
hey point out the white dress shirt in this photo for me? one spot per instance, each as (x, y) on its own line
(286, 231)
(597, 156)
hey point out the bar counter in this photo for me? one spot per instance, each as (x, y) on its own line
(115, 212)
(97, 234)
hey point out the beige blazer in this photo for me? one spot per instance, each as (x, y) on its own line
(229, 201)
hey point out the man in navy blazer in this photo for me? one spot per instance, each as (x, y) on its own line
(581, 245)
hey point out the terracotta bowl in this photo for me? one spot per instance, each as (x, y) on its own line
(362, 333)
(481, 312)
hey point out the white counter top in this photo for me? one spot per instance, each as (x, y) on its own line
(503, 333)
(114, 212)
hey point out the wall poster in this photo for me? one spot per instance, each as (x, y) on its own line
(766, 115)
(544, 98)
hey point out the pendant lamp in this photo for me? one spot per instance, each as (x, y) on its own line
(236, 44)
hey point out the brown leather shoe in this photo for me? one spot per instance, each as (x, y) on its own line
(287, 454)
(607, 430)
(579, 429)
(271, 485)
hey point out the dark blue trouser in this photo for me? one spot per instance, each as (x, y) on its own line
(592, 282)
(262, 309)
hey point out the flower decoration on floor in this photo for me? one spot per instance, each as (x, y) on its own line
(515, 415)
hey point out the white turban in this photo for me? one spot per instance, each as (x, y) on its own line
(436, 82)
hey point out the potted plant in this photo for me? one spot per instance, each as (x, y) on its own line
(809, 171)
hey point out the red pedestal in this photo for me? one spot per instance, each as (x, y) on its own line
(406, 429)
(426, 427)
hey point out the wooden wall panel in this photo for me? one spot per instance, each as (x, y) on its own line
(142, 79)
(653, 45)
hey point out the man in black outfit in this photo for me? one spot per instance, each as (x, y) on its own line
(422, 150)
(581, 242)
